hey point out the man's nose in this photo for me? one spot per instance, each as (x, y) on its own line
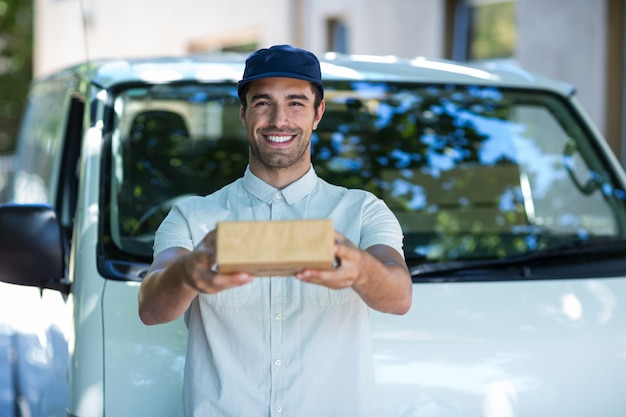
(279, 116)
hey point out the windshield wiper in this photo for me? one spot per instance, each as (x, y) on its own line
(583, 250)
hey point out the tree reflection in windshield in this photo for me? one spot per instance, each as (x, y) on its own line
(471, 172)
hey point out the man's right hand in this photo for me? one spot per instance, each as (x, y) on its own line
(201, 271)
(175, 278)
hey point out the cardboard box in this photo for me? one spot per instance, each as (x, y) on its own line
(275, 247)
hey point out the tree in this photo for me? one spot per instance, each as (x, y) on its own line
(16, 63)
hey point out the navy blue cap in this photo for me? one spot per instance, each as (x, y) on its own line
(282, 61)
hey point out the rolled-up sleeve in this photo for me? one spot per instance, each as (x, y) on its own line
(380, 226)
(174, 231)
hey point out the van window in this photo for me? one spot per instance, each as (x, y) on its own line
(471, 172)
(40, 144)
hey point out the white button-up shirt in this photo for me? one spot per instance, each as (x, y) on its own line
(278, 346)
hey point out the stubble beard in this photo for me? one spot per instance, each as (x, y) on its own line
(274, 159)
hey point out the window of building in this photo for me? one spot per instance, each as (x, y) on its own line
(484, 29)
(337, 35)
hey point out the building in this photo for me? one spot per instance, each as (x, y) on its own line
(578, 41)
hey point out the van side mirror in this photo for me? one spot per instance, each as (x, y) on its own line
(31, 247)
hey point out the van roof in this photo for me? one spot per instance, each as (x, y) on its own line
(229, 67)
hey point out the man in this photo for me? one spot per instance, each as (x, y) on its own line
(281, 346)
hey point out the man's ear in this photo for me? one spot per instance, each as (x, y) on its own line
(318, 114)
(242, 115)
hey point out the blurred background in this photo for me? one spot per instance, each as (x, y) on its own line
(580, 42)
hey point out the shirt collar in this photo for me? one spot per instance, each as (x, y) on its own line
(291, 193)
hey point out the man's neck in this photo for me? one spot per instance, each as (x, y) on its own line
(280, 178)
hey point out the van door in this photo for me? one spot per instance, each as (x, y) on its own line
(36, 323)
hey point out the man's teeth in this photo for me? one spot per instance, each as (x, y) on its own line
(278, 139)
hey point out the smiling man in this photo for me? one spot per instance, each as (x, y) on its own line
(279, 346)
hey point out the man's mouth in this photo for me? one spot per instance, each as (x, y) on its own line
(279, 139)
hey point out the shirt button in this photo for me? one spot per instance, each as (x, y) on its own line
(279, 196)
(277, 362)
(278, 316)
(278, 409)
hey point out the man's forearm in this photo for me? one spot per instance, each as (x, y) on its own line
(164, 295)
(384, 285)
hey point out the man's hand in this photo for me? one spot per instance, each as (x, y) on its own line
(177, 276)
(201, 273)
(347, 271)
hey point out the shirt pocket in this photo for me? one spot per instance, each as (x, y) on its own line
(320, 296)
(232, 297)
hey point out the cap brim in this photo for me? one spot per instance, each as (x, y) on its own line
(281, 74)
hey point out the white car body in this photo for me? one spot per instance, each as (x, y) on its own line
(495, 345)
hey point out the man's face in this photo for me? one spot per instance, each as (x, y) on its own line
(279, 119)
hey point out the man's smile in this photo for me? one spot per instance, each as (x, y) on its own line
(279, 138)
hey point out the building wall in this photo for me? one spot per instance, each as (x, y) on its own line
(405, 28)
(163, 27)
(140, 28)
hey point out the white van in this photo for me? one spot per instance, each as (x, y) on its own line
(512, 205)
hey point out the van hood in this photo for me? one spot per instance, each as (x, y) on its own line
(505, 349)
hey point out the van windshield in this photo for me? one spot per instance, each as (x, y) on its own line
(471, 172)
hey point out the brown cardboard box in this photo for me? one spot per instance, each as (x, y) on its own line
(274, 247)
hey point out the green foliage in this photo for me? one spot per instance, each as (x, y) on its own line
(493, 31)
(16, 50)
